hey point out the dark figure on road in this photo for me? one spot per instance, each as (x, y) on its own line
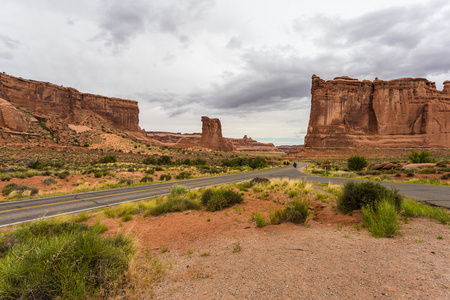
(295, 165)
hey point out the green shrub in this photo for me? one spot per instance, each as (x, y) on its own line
(107, 159)
(18, 191)
(125, 181)
(178, 190)
(149, 161)
(422, 157)
(382, 221)
(445, 176)
(146, 179)
(176, 204)
(63, 175)
(5, 177)
(442, 163)
(159, 169)
(297, 211)
(220, 198)
(427, 171)
(8, 189)
(278, 216)
(164, 160)
(259, 180)
(357, 163)
(150, 171)
(127, 217)
(357, 195)
(183, 175)
(98, 174)
(165, 177)
(259, 219)
(62, 261)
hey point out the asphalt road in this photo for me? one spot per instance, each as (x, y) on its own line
(26, 210)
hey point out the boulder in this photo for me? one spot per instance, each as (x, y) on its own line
(11, 117)
(383, 166)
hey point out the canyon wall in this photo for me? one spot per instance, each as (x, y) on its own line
(46, 100)
(406, 112)
(249, 144)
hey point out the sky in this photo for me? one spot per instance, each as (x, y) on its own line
(247, 62)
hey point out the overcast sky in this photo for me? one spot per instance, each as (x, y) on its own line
(247, 62)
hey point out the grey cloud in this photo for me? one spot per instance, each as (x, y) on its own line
(122, 21)
(234, 43)
(8, 42)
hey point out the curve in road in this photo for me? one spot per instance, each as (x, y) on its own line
(27, 210)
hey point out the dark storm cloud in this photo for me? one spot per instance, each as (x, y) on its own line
(392, 42)
(122, 21)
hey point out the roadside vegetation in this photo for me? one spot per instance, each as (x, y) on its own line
(25, 173)
(67, 258)
(419, 167)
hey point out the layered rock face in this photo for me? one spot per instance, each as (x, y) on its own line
(248, 144)
(212, 135)
(407, 112)
(46, 100)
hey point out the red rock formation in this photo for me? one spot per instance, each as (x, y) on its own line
(11, 117)
(248, 144)
(407, 112)
(46, 100)
(212, 135)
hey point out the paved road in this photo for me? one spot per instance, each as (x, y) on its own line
(431, 194)
(27, 210)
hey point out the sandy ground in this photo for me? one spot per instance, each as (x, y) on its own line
(331, 257)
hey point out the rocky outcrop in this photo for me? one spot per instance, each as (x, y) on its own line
(212, 135)
(407, 112)
(45, 100)
(383, 166)
(11, 117)
(248, 144)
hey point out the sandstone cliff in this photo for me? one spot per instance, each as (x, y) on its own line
(407, 112)
(45, 100)
(212, 135)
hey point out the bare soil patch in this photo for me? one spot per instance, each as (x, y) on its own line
(332, 257)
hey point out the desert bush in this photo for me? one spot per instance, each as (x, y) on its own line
(62, 261)
(8, 189)
(257, 163)
(5, 177)
(183, 175)
(36, 164)
(63, 175)
(146, 179)
(178, 190)
(165, 177)
(427, 171)
(164, 160)
(107, 159)
(442, 163)
(259, 180)
(126, 217)
(125, 181)
(49, 180)
(259, 219)
(149, 161)
(445, 176)
(296, 211)
(422, 157)
(159, 169)
(174, 204)
(150, 171)
(357, 163)
(357, 195)
(219, 198)
(382, 221)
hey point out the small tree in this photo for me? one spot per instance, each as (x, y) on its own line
(423, 157)
(357, 163)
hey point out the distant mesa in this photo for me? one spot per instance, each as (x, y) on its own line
(406, 112)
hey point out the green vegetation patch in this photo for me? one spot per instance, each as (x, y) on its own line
(49, 260)
(219, 198)
(358, 195)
